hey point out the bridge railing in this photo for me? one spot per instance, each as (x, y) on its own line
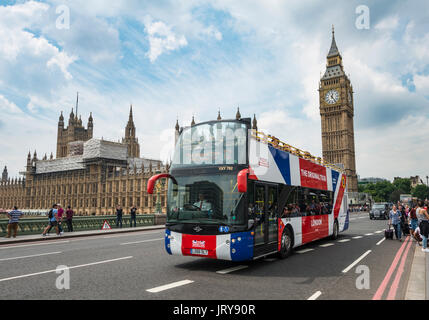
(37, 225)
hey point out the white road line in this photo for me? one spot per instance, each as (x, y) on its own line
(304, 251)
(32, 256)
(315, 296)
(344, 240)
(358, 237)
(74, 267)
(143, 241)
(133, 234)
(170, 286)
(369, 234)
(381, 241)
(378, 232)
(270, 259)
(34, 244)
(357, 261)
(226, 271)
(327, 245)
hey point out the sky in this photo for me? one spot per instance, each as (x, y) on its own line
(177, 59)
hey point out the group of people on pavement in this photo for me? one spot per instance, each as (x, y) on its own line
(56, 218)
(119, 214)
(412, 220)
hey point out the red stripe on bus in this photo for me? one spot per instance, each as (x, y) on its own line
(340, 196)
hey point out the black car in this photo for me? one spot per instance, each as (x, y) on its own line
(379, 211)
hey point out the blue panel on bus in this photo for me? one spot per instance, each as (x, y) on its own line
(335, 176)
(242, 246)
(347, 223)
(283, 163)
(167, 241)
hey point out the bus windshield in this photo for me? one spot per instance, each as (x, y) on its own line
(217, 143)
(212, 199)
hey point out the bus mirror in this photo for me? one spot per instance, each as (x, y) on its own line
(152, 181)
(242, 180)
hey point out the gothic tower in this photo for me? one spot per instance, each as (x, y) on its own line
(75, 131)
(337, 112)
(130, 137)
(4, 175)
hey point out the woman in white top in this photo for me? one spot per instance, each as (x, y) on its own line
(423, 217)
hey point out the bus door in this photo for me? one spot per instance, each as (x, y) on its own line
(265, 207)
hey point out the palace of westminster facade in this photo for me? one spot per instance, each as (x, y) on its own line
(93, 176)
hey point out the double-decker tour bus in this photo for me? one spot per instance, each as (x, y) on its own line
(236, 194)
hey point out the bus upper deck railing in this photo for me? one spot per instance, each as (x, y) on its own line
(280, 145)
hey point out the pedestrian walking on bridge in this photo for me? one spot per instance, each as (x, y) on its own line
(395, 220)
(69, 217)
(423, 217)
(119, 213)
(13, 216)
(133, 212)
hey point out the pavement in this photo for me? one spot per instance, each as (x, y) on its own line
(68, 235)
(359, 265)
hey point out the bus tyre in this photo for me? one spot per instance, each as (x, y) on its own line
(336, 231)
(286, 244)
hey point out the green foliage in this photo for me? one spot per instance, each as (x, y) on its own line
(404, 185)
(386, 191)
(421, 192)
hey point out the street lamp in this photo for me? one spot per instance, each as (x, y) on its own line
(160, 185)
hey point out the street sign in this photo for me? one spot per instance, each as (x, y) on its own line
(106, 226)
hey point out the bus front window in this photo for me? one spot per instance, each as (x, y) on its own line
(205, 199)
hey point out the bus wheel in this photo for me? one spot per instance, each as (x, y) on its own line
(286, 245)
(336, 231)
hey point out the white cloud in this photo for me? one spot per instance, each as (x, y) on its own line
(422, 84)
(8, 107)
(162, 38)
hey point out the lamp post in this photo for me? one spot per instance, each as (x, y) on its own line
(160, 185)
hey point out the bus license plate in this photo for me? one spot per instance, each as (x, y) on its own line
(200, 252)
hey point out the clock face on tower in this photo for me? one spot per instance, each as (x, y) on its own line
(350, 97)
(332, 97)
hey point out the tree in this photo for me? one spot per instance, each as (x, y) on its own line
(421, 192)
(403, 184)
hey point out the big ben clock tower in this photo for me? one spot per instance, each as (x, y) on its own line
(337, 112)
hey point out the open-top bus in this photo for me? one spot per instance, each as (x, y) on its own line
(237, 194)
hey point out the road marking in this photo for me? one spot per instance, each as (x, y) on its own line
(230, 270)
(74, 267)
(327, 245)
(143, 241)
(32, 256)
(270, 259)
(142, 233)
(343, 241)
(369, 234)
(381, 241)
(378, 232)
(358, 237)
(395, 284)
(357, 261)
(34, 244)
(170, 286)
(379, 294)
(315, 296)
(304, 251)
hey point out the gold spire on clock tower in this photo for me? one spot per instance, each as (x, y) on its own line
(337, 112)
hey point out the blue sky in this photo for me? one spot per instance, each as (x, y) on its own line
(176, 59)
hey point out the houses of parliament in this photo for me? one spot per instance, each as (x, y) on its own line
(92, 176)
